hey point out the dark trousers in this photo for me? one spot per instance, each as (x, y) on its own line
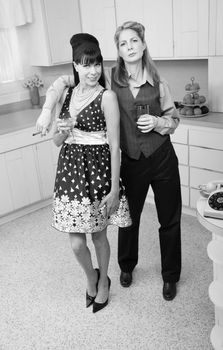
(160, 170)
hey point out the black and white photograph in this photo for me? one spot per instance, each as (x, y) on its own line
(111, 175)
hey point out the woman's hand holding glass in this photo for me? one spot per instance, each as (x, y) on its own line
(145, 121)
(65, 126)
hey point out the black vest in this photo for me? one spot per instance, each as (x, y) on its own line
(132, 141)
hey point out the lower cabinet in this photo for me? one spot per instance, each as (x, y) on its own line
(18, 179)
(28, 166)
(27, 175)
(47, 155)
(200, 154)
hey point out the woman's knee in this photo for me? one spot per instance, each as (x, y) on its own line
(78, 243)
(98, 238)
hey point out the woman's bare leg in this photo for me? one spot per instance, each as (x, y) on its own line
(102, 249)
(83, 256)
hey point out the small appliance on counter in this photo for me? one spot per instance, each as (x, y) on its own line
(193, 105)
(213, 191)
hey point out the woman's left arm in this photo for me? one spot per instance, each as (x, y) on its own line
(111, 112)
(169, 120)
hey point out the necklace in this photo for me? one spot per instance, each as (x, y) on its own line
(81, 99)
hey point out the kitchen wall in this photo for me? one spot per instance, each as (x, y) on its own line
(177, 73)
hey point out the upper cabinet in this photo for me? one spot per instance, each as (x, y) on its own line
(54, 23)
(157, 18)
(174, 28)
(216, 28)
(98, 19)
(191, 24)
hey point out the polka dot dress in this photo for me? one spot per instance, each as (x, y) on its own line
(83, 178)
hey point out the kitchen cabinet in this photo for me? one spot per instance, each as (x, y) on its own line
(28, 168)
(19, 182)
(215, 79)
(216, 28)
(174, 29)
(6, 204)
(54, 22)
(47, 155)
(157, 18)
(200, 154)
(98, 19)
(180, 144)
(191, 28)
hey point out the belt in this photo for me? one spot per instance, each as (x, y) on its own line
(78, 136)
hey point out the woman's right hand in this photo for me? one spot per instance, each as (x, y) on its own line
(43, 123)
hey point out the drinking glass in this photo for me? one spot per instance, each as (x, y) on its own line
(141, 109)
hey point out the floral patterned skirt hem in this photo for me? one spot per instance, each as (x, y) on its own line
(89, 219)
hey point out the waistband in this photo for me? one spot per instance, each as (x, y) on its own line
(78, 136)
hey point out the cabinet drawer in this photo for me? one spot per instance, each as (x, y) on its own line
(194, 196)
(185, 195)
(184, 178)
(206, 158)
(212, 138)
(6, 204)
(180, 135)
(201, 176)
(181, 152)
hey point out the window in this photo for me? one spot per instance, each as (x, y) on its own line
(10, 61)
(13, 13)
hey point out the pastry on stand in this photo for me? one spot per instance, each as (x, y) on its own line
(193, 105)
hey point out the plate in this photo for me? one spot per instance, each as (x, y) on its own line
(193, 116)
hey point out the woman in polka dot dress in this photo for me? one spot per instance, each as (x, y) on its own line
(88, 193)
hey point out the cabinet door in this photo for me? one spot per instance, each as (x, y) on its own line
(216, 28)
(55, 21)
(156, 16)
(6, 204)
(98, 19)
(191, 19)
(46, 160)
(22, 184)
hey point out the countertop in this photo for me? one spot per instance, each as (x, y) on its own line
(15, 121)
(211, 120)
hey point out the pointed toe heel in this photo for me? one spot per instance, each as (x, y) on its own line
(99, 306)
(89, 298)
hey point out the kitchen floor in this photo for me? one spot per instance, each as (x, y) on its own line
(43, 292)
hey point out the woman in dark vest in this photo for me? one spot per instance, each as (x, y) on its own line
(148, 157)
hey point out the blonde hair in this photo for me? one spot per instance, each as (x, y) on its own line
(120, 74)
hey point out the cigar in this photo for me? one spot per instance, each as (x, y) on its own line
(37, 133)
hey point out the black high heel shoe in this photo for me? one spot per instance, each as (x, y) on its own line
(99, 306)
(89, 298)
